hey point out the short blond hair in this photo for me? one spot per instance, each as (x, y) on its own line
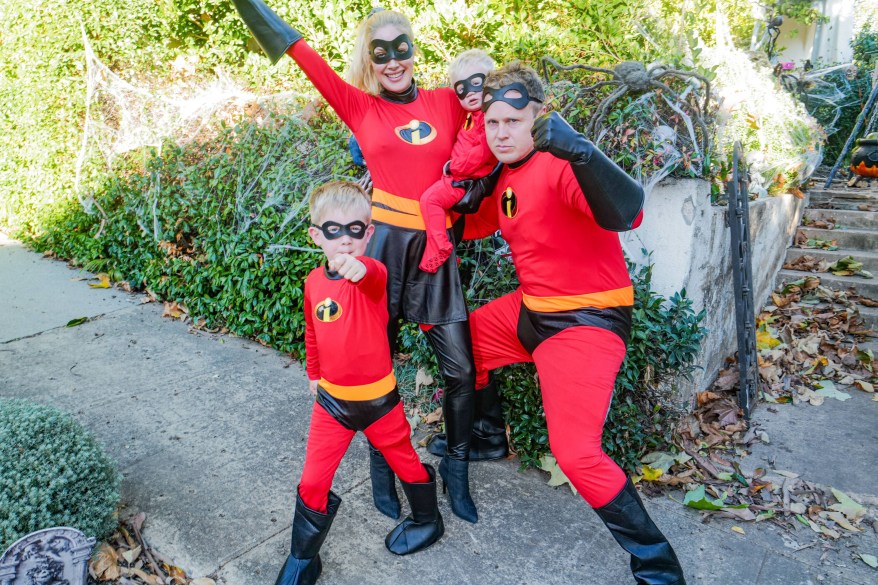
(468, 58)
(516, 71)
(360, 73)
(338, 196)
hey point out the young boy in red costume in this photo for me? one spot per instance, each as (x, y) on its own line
(470, 157)
(351, 374)
(559, 202)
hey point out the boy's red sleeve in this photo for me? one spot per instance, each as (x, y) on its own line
(312, 363)
(374, 284)
(349, 102)
(471, 154)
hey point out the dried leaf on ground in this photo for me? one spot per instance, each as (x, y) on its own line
(103, 281)
(174, 310)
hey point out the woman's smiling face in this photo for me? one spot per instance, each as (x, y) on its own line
(394, 76)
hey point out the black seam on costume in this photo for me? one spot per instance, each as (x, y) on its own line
(517, 164)
(403, 97)
(393, 209)
(536, 327)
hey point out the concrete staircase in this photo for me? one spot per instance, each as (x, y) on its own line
(852, 213)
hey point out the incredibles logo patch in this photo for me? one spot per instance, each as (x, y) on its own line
(468, 124)
(327, 311)
(416, 132)
(509, 203)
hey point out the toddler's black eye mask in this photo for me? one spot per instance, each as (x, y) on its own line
(472, 83)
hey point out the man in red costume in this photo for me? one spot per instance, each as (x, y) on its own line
(559, 204)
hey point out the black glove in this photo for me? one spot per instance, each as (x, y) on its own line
(273, 34)
(476, 191)
(615, 198)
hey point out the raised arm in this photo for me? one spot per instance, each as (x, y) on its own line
(615, 199)
(276, 37)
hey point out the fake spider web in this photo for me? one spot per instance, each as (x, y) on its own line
(124, 120)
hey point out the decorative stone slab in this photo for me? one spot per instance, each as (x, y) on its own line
(54, 556)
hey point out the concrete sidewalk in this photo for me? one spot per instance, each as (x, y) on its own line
(209, 432)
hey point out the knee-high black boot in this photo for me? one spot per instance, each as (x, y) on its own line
(453, 346)
(310, 528)
(488, 442)
(653, 561)
(383, 484)
(424, 526)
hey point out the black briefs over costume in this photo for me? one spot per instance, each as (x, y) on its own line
(536, 327)
(357, 415)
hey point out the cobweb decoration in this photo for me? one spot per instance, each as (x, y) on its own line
(651, 119)
(122, 118)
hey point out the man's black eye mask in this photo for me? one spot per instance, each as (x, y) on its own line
(492, 95)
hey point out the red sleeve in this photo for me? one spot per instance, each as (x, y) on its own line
(471, 154)
(484, 222)
(312, 363)
(348, 102)
(374, 284)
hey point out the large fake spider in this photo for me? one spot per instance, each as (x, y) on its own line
(632, 76)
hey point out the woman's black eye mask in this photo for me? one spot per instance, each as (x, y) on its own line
(392, 49)
(473, 83)
(333, 230)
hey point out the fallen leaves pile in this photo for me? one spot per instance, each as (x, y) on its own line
(126, 559)
(808, 344)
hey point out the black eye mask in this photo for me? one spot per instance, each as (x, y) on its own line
(391, 49)
(464, 87)
(499, 95)
(333, 230)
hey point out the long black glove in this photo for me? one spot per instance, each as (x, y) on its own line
(615, 198)
(273, 34)
(476, 191)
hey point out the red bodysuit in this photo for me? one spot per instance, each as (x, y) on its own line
(471, 158)
(348, 352)
(570, 316)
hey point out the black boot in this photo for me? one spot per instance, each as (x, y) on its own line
(653, 561)
(310, 528)
(383, 484)
(455, 481)
(424, 526)
(489, 442)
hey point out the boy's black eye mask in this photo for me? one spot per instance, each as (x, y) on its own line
(466, 86)
(391, 49)
(492, 95)
(333, 230)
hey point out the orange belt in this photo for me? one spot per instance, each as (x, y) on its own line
(619, 297)
(399, 211)
(363, 391)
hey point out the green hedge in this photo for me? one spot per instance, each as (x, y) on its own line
(52, 473)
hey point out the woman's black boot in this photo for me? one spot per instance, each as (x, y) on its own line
(653, 561)
(455, 480)
(383, 484)
(424, 526)
(310, 528)
(488, 442)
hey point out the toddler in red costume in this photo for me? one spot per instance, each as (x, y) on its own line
(470, 157)
(351, 374)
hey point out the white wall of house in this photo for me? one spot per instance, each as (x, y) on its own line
(690, 245)
(827, 43)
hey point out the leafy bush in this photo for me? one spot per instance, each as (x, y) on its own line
(52, 473)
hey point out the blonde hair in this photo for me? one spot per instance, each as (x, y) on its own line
(516, 71)
(338, 196)
(360, 73)
(467, 59)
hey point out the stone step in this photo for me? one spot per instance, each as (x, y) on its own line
(844, 218)
(867, 287)
(868, 258)
(852, 198)
(846, 239)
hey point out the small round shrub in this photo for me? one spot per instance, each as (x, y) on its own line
(52, 473)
